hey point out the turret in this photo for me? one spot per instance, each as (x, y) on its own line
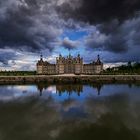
(41, 57)
(98, 60)
(78, 55)
(70, 56)
(98, 65)
(40, 64)
(60, 56)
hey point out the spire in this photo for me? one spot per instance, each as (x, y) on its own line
(69, 55)
(60, 56)
(98, 57)
(79, 55)
(41, 57)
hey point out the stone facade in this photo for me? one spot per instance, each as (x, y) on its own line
(69, 65)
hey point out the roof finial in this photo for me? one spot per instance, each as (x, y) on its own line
(98, 59)
(78, 54)
(41, 56)
(69, 53)
(60, 55)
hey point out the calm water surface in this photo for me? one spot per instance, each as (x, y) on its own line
(70, 112)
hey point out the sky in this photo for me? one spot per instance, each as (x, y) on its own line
(28, 28)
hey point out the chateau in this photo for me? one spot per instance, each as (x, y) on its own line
(69, 65)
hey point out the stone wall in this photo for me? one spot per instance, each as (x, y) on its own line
(69, 79)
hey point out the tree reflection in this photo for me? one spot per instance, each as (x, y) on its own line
(68, 88)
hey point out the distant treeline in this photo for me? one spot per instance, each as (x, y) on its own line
(17, 73)
(130, 68)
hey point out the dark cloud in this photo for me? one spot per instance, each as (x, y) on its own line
(115, 37)
(116, 44)
(117, 23)
(96, 11)
(38, 25)
(26, 25)
(34, 25)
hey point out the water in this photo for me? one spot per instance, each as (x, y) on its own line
(70, 112)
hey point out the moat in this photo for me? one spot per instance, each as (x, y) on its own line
(70, 112)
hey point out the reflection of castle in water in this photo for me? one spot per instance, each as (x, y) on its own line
(69, 89)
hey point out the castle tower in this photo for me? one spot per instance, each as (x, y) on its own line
(40, 65)
(78, 65)
(98, 65)
(60, 64)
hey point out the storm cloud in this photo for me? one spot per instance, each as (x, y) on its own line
(98, 11)
(28, 25)
(114, 37)
(36, 26)
(117, 23)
